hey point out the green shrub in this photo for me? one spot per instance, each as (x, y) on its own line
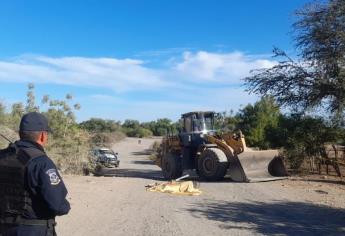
(304, 137)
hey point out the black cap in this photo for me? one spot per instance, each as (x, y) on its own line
(34, 121)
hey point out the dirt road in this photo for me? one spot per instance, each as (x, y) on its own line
(119, 204)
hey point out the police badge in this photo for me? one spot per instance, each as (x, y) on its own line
(53, 176)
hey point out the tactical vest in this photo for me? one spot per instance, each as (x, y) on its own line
(15, 200)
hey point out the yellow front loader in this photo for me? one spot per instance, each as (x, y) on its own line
(213, 155)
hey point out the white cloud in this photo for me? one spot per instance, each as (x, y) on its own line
(129, 74)
(115, 74)
(227, 67)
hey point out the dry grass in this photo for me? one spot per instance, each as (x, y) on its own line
(8, 133)
(155, 147)
(70, 154)
(106, 139)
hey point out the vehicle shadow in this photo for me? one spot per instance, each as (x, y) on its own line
(148, 162)
(131, 173)
(145, 152)
(149, 174)
(277, 218)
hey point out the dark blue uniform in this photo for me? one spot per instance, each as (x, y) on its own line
(48, 192)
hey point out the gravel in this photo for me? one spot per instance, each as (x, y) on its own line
(119, 205)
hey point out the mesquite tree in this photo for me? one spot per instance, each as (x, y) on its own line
(317, 78)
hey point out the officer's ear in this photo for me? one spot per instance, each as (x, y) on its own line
(43, 138)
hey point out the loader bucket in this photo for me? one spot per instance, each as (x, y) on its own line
(257, 166)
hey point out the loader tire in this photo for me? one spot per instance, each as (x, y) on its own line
(171, 166)
(212, 164)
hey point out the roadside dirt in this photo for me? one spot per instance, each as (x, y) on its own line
(119, 205)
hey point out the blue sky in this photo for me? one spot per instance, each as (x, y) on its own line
(140, 59)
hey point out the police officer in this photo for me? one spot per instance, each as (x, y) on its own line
(32, 192)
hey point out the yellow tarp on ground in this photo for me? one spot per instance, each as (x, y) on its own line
(180, 188)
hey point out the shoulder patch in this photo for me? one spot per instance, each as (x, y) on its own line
(53, 176)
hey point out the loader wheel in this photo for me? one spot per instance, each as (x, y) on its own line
(171, 166)
(212, 164)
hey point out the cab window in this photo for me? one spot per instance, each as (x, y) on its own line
(188, 124)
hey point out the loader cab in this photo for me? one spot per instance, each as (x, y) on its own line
(198, 122)
(194, 126)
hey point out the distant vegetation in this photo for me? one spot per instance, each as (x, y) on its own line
(131, 128)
